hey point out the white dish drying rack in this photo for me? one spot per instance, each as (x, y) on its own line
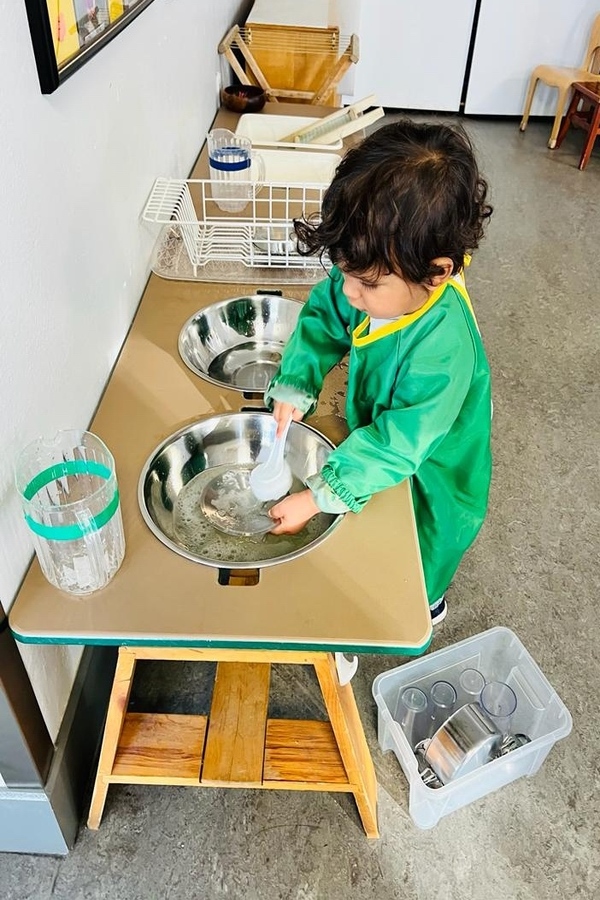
(198, 241)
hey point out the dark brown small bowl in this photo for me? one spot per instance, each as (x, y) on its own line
(243, 98)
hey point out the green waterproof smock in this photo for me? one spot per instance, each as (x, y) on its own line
(418, 406)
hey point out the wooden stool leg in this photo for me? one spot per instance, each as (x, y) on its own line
(347, 727)
(528, 101)
(566, 122)
(117, 708)
(591, 137)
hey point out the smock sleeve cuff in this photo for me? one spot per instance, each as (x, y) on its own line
(325, 498)
(340, 490)
(287, 393)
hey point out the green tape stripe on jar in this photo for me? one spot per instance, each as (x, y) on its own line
(70, 532)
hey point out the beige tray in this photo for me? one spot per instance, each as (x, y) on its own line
(266, 131)
(298, 166)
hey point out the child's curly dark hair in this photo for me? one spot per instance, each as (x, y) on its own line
(408, 194)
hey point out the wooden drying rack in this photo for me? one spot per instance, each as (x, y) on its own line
(306, 62)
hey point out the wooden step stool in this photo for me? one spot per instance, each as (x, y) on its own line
(236, 745)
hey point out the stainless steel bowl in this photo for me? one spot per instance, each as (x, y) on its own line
(466, 740)
(238, 343)
(171, 484)
(274, 240)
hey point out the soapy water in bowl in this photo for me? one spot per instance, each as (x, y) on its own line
(230, 505)
(195, 533)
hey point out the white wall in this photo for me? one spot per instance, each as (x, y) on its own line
(76, 168)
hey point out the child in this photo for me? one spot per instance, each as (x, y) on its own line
(404, 209)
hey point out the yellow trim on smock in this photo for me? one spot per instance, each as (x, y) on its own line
(359, 338)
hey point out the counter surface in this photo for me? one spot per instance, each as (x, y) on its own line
(362, 589)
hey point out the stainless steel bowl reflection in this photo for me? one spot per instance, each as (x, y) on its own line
(466, 740)
(274, 240)
(228, 440)
(238, 343)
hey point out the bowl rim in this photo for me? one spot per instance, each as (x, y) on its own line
(215, 307)
(255, 90)
(193, 557)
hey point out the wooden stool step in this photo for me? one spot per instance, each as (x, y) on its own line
(235, 743)
(158, 748)
(303, 754)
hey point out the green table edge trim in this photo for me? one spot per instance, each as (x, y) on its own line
(231, 645)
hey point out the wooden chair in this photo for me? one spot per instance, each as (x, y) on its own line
(563, 78)
(584, 111)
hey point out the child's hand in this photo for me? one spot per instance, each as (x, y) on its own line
(294, 512)
(282, 412)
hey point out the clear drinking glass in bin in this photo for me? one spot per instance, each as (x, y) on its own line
(70, 498)
(442, 702)
(499, 701)
(470, 685)
(412, 714)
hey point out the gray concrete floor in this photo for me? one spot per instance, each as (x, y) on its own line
(535, 569)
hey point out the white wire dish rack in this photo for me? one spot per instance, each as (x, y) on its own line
(199, 242)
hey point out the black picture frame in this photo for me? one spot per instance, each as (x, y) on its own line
(84, 26)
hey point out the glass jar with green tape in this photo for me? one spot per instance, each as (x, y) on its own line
(68, 488)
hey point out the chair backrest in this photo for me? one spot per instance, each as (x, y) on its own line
(591, 61)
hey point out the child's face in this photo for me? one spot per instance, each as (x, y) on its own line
(384, 296)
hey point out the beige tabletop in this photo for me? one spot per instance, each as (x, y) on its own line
(362, 589)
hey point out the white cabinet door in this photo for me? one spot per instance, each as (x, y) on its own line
(514, 36)
(413, 53)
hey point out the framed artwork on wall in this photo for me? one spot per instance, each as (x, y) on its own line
(66, 33)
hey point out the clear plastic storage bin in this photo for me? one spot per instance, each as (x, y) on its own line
(500, 656)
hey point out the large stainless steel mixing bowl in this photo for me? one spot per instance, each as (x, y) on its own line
(172, 511)
(238, 343)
